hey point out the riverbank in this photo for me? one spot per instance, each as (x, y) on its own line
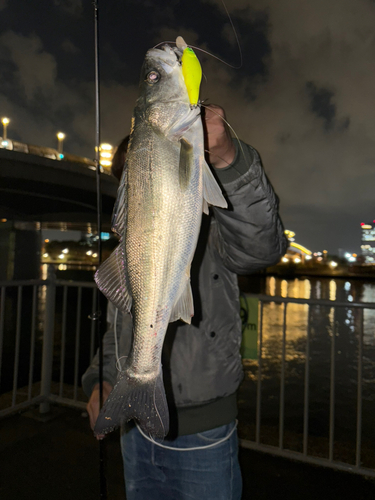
(290, 271)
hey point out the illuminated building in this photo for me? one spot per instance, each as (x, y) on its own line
(368, 242)
(296, 253)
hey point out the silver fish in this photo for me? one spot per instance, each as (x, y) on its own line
(165, 187)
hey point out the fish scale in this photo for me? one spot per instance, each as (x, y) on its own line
(164, 189)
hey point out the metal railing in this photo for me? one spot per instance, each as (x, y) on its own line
(42, 356)
(47, 340)
(280, 448)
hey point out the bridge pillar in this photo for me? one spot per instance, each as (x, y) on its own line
(20, 247)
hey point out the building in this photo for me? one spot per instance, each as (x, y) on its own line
(368, 242)
(296, 253)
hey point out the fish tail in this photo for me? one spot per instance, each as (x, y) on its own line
(131, 398)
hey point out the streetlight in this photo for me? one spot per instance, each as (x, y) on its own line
(105, 155)
(5, 121)
(60, 138)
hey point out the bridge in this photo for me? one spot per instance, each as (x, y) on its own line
(39, 188)
(36, 187)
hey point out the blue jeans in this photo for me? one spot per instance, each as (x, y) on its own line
(162, 474)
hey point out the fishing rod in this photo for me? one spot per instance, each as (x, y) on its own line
(97, 317)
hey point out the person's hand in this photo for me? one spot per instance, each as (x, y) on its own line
(219, 144)
(93, 406)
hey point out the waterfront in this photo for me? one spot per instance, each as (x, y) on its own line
(74, 335)
(345, 325)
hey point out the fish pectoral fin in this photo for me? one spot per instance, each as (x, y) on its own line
(186, 163)
(182, 125)
(184, 306)
(132, 398)
(205, 207)
(111, 280)
(211, 189)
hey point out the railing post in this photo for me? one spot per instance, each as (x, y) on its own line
(47, 355)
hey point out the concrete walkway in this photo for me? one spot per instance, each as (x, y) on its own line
(58, 459)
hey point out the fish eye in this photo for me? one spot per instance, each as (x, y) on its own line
(153, 77)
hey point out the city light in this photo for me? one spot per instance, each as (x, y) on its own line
(308, 257)
(297, 260)
(45, 255)
(66, 250)
(285, 259)
(5, 121)
(333, 264)
(351, 257)
(105, 155)
(61, 256)
(60, 140)
(89, 252)
(289, 234)
(300, 247)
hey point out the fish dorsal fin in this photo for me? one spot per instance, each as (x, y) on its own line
(186, 163)
(184, 306)
(112, 282)
(119, 209)
(211, 190)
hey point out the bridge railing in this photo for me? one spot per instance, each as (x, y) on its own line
(47, 340)
(47, 152)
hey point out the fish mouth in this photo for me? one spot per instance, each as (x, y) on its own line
(167, 56)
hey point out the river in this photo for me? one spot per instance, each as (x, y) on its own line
(347, 323)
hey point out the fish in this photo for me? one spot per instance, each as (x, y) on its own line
(165, 187)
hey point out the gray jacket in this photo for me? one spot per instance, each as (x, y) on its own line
(201, 362)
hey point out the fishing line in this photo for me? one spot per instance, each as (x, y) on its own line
(195, 448)
(103, 482)
(234, 132)
(213, 55)
(118, 359)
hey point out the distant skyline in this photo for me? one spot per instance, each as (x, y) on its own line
(304, 97)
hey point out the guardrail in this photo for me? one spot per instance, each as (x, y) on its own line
(50, 153)
(304, 455)
(47, 340)
(42, 356)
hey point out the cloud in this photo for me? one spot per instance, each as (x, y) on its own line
(311, 117)
(39, 103)
(304, 96)
(69, 47)
(34, 69)
(72, 7)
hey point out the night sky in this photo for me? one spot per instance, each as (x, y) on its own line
(304, 96)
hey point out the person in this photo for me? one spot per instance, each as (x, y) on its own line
(202, 366)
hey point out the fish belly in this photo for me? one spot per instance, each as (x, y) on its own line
(162, 230)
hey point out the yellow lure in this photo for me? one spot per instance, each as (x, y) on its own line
(192, 72)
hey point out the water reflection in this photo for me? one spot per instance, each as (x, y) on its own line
(334, 335)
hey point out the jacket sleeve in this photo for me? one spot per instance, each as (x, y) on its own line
(250, 232)
(91, 375)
